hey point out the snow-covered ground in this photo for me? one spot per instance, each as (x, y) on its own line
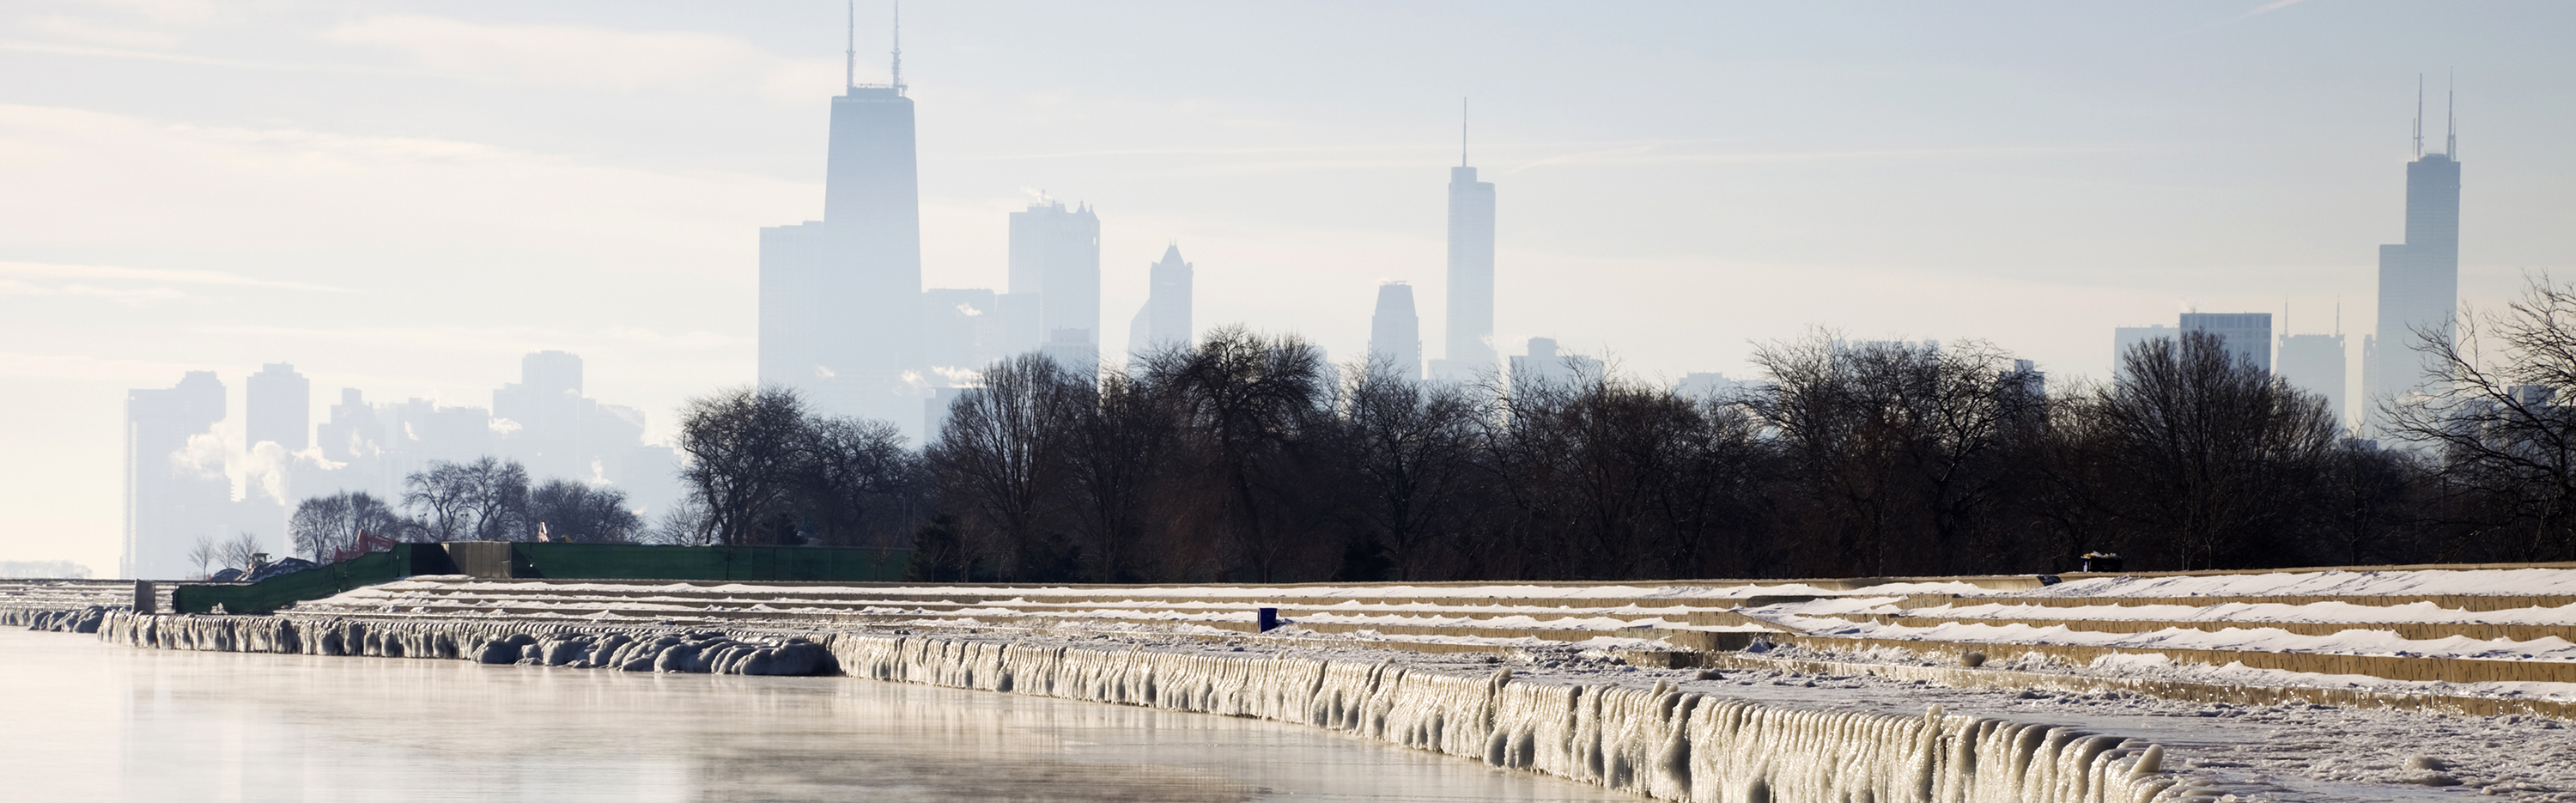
(2421, 582)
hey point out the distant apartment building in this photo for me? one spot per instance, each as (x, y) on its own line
(2316, 364)
(2126, 339)
(278, 408)
(1073, 350)
(2247, 335)
(1711, 385)
(180, 470)
(961, 329)
(1395, 333)
(174, 494)
(1546, 366)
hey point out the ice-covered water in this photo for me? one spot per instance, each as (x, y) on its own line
(92, 721)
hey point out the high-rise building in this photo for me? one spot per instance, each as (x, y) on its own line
(840, 297)
(1022, 325)
(2126, 339)
(1711, 385)
(554, 429)
(2315, 363)
(1545, 366)
(1395, 333)
(2247, 335)
(2419, 280)
(543, 421)
(1073, 351)
(1055, 253)
(1165, 320)
(961, 328)
(173, 496)
(1470, 342)
(277, 407)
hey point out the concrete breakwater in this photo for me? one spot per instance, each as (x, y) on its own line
(1657, 741)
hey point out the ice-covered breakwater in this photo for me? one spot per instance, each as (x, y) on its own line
(633, 649)
(85, 619)
(1657, 741)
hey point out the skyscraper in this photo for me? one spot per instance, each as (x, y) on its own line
(1395, 333)
(172, 498)
(1055, 253)
(960, 330)
(1470, 342)
(1545, 367)
(2315, 363)
(277, 407)
(2126, 338)
(1165, 320)
(840, 297)
(2419, 280)
(2247, 335)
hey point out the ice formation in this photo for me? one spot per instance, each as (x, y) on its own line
(1658, 741)
(84, 619)
(631, 649)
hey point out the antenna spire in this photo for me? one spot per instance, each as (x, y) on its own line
(2419, 115)
(850, 65)
(1462, 132)
(2451, 111)
(898, 47)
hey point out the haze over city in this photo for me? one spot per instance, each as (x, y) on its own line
(407, 198)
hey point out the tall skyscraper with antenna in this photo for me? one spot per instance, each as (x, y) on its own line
(2419, 280)
(840, 297)
(1470, 343)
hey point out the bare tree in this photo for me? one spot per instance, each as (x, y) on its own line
(857, 482)
(443, 494)
(1413, 454)
(1118, 466)
(320, 526)
(576, 512)
(2494, 421)
(1001, 458)
(2215, 451)
(685, 524)
(1248, 401)
(203, 555)
(746, 448)
(243, 552)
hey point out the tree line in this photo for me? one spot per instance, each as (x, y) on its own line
(1246, 457)
(486, 499)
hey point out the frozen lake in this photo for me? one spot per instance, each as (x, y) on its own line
(87, 721)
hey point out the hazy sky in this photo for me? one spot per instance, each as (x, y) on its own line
(403, 197)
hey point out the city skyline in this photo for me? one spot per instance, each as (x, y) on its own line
(1666, 235)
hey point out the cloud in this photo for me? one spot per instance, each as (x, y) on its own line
(177, 276)
(1654, 154)
(127, 297)
(590, 57)
(498, 339)
(75, 28)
